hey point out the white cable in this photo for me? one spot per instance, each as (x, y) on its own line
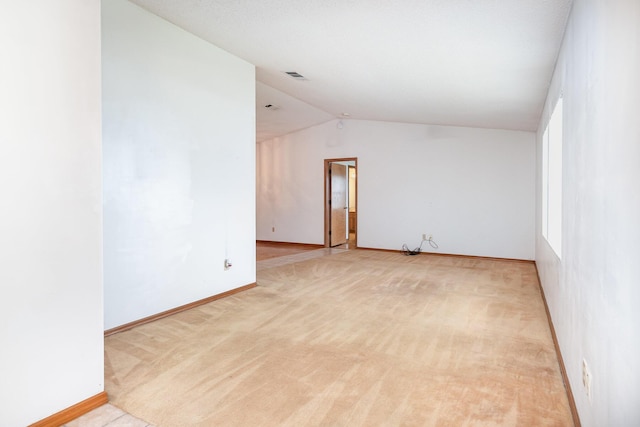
(416, 251)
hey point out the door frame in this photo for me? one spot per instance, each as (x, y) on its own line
(327, 197)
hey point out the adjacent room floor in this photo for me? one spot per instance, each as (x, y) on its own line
(350, 338)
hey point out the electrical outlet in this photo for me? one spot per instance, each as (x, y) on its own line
(586, 378)
(227, 264)
(430, 237)
(424, 236)
(273, 229)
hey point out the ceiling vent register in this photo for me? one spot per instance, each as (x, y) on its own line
(296, 75)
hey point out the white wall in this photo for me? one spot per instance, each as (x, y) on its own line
(472, 189)
(179, 166)
(51, 340)
(593, 292)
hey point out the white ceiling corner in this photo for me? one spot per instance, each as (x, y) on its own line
(478, 63)
(286, 114)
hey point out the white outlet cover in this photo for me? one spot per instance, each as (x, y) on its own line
(586, 378)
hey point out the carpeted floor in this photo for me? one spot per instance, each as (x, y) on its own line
(268, 250)
(356, 338)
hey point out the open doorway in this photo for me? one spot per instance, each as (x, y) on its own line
(341, 202)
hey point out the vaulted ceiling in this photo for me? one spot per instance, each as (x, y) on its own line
(479, 63)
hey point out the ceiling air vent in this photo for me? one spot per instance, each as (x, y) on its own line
(296, 75)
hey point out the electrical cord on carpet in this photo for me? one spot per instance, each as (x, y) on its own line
(416, 251)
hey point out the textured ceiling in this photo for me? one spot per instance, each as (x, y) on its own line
(480, 63)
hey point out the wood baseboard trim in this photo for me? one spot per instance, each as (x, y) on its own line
(301, 245)
(73, 412)
(563, 371)
(179, 309)
(454, 255)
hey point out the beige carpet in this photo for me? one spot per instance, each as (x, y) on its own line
(268, 250)
(357, 338)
